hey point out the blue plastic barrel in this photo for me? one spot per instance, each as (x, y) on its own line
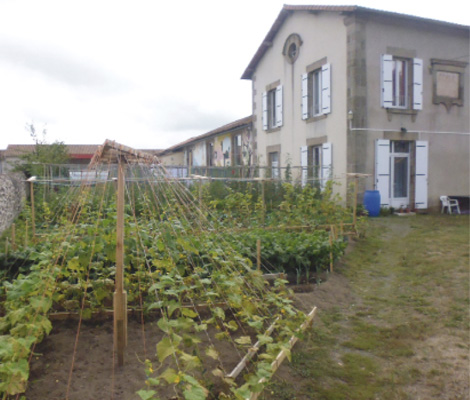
(372, 202)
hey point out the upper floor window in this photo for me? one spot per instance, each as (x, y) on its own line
(402, 82)
(272, 108)
(316, 91)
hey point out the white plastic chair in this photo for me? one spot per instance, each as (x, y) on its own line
(448, 203)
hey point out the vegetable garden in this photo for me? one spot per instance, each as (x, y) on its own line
(192, 264)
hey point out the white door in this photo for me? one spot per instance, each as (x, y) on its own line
(400, 174)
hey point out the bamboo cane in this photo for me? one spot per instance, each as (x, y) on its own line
(248, 356)
(283, 353)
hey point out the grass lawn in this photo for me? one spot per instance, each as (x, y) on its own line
(392, 320)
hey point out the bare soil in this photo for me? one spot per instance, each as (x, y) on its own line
(437, 368)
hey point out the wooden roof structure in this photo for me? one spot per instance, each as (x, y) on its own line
(111, 152)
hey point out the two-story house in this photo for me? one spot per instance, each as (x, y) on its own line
(347, 89)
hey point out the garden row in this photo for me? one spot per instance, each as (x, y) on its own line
(181, 246)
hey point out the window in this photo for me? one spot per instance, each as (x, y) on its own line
(292, 48)
(314, 162)
(274, 164)
(402, 82)
(316, 92)
(210, 154)
(237, 149)
(272, 108)
(272, 122)
(317, 164)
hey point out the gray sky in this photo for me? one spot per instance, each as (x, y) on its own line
(145, 73)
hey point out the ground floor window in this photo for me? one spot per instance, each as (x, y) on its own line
(274, 164)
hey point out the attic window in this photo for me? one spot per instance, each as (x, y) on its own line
(292, 53)
(292, 47)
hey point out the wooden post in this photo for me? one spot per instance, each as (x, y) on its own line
(31, 180)
(355, 203)
(264, 201)
(331, 250)
(120, 296)
(200, 192)
(13, 236)
(258, 254)
(26, 233)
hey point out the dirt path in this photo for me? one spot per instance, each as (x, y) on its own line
(393, 319)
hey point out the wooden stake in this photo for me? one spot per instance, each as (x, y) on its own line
(258, 254)
(331, 251)
(33, 223)
(355, 204)
(25, 233)
(120, 296)
(283, 354)
(13, 236)
(264, 202)
(248, 356)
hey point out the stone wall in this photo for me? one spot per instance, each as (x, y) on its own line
(12, 197)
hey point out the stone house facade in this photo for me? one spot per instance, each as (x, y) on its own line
(346, 89)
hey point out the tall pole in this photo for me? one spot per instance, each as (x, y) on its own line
(355, 203)
(31, 182)
(120, 296)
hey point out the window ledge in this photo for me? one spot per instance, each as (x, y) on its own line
(272, 130)
(401, 111)
(316, 118)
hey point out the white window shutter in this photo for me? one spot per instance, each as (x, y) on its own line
(304, 164)
(326, 163)
(417, 84)
(421, 184)
(265, 111)
(305, 96)
(382, 171)
(326, 88)
(387, 80)
(279, 106)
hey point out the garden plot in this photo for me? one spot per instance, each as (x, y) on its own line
(180, 264)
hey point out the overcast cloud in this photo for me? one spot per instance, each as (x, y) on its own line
(145, 73)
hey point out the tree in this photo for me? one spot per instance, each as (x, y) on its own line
(43, 153)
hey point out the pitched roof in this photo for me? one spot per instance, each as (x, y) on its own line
(74, 150)
(112, 152)
(287, 10)
(232, 126)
